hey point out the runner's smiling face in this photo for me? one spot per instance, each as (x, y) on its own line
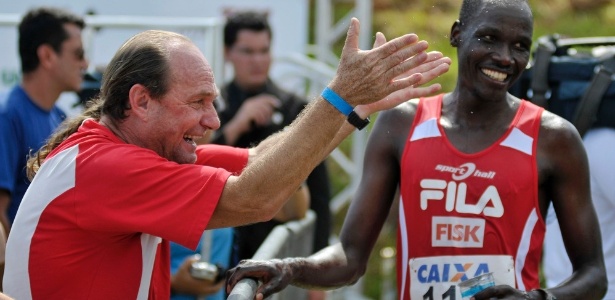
(494, 47)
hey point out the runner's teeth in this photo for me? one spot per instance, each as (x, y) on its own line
(499, 76)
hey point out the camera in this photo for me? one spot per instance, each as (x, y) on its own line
(207, 271)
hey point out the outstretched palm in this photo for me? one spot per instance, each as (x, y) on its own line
(427, 67)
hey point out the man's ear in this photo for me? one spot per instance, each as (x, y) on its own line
(455, 31)
(47, 57)
(139, 101)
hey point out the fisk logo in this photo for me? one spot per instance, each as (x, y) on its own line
(489, 202)
(450, 272)
(457, 232)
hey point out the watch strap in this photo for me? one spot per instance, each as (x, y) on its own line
(356, 121)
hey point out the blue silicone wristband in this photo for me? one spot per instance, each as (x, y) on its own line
(337, 101)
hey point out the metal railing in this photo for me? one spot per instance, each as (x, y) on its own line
(291, 239)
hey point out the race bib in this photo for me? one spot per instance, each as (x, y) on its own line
(436, 277)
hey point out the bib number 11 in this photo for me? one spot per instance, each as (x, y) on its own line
(450, 294)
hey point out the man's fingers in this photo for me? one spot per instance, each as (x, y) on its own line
(401, 96)
(434, 72)
(268, 288)
(407, 66)
(352, 37)
(364, 76)
(435, 55)
(405, 59)
(407, 82)
(429, 71)
(380, 40)
(230, 280)
(425, 91)
(433, 60)
(398, 44)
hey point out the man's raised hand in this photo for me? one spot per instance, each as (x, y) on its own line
(422, 71)
(365, 76)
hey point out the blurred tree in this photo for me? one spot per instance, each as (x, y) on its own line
(587, 5)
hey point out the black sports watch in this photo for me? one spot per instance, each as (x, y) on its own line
(356, 121)
(546, 294)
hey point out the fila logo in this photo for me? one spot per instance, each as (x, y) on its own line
(464, 171)
(454, 195)
(448, 272)
(457, 232)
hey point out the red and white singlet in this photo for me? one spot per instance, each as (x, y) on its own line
(462, 215)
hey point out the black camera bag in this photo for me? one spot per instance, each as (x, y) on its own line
(571, 78)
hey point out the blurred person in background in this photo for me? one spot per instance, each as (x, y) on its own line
(52, 62)
(600, 146)
(254, 108)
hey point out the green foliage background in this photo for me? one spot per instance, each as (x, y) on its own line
(432, 20)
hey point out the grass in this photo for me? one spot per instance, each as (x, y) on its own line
(432, 20)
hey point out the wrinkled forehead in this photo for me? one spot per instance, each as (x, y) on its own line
(190, 68)
(187, 61)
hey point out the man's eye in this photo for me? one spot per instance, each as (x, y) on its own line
(198, 103)
(521, 46)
